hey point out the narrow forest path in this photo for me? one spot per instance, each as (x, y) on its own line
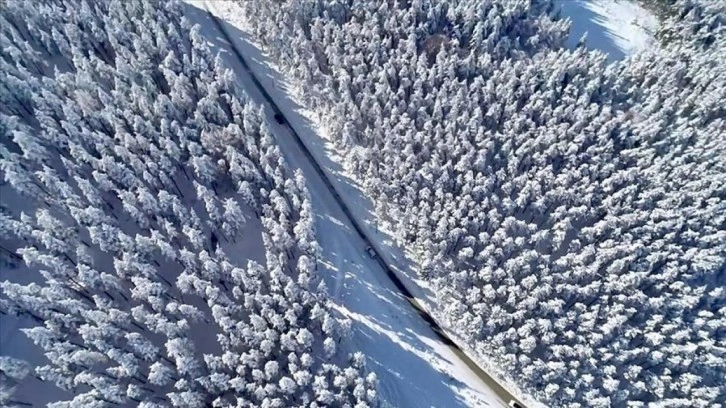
(417, 363)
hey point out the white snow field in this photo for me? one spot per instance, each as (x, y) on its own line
(616, 27)
(414, 367)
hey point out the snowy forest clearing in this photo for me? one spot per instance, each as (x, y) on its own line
(413, 366)
(616, 27)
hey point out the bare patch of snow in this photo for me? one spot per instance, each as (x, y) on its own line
(618, 28)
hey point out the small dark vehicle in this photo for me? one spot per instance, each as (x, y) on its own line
(279, 118)
(371, 252)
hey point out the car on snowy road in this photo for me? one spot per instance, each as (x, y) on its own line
(371, 252)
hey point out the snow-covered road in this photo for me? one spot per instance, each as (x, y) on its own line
(415, 368)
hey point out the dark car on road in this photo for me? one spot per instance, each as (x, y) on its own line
(371, 252)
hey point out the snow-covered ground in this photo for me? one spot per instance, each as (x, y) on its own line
(414, 367)
(616, 27)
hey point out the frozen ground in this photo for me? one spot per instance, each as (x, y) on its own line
(415, 368)
(617, 27)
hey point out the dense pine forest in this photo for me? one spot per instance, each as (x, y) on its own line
(156, 249)
(569, 214)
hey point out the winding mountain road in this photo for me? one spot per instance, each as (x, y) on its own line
(350, 263)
